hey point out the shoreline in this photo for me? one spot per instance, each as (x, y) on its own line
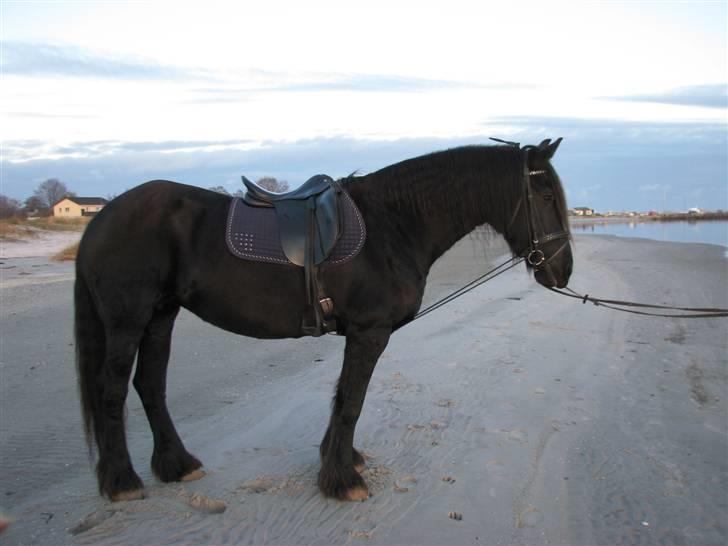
(711, 217)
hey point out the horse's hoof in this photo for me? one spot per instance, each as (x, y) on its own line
(134, 494)
(192, 476)
(357, 494)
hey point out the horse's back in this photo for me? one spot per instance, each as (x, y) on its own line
(139, 235)
(152, 211)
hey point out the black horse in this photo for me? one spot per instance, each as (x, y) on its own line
(160, 246)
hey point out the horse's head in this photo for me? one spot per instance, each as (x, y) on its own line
(539, 226)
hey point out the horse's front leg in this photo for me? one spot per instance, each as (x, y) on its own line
(338, 478)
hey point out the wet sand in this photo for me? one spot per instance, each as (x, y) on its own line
(537, 419)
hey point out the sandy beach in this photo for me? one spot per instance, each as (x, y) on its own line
(44, 245)
(537, 419)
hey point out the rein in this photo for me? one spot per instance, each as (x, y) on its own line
(617, 305)
(535, 257)
(485, 277)
(532, 254)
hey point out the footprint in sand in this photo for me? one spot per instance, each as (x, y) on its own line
(404, 484)
(91, 521)
(206, 504)
(530, 517)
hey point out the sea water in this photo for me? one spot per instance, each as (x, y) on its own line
(714, 232)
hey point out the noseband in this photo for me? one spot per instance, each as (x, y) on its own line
(534, 255)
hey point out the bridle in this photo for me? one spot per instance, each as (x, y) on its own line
(536, 258)
(533, 254)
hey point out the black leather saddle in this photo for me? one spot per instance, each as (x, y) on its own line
(309, 221)
(307, 216)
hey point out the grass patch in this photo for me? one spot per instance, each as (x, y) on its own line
(51, 223)
(67, 254)
(14, 229)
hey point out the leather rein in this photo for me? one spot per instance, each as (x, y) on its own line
(535, 257)
(532, 254)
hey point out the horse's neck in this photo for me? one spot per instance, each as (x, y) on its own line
(454, 215)
(442, 202)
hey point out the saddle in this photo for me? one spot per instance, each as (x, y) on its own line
(308, 217)
(314, 225)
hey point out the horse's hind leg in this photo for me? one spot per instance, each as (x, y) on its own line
(117, 479)
(170, 460)
(338, 476)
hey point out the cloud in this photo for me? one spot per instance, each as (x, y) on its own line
(652, 187)
(41, 115)
(37, 59)
(615, 158)
(602, 164)
(24, 150)
(374, 83)
(612, 138)
(269, 82)
(707, 96)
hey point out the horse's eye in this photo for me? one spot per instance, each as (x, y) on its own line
(548, 197)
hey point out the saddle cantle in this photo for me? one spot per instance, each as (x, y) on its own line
(314, 226)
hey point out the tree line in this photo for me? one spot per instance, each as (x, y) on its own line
(267, 182)
(47, 193)
(52, 190)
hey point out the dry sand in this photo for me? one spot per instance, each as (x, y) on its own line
(45, 244)
(513, 416)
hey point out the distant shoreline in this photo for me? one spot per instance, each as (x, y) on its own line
(673, 217)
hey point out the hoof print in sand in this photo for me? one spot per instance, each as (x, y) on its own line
(530, 517)
(403, 484)
(91, 521)
(360, 534)
(206, 504)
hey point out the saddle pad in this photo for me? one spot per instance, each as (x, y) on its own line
(252, 233)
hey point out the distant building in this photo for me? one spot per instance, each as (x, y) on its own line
(73, 207)
(695, 210)
(583, 211)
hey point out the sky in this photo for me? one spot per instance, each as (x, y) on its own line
(105, 95)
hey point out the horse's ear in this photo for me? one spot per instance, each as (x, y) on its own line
(544, 144)
(550, 149)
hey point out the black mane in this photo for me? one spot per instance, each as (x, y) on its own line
(471, 182)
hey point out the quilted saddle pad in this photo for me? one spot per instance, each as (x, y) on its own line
(252, 233)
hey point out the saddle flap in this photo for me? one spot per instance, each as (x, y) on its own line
(296, 224)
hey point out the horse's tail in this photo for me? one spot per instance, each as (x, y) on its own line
(90, 348)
